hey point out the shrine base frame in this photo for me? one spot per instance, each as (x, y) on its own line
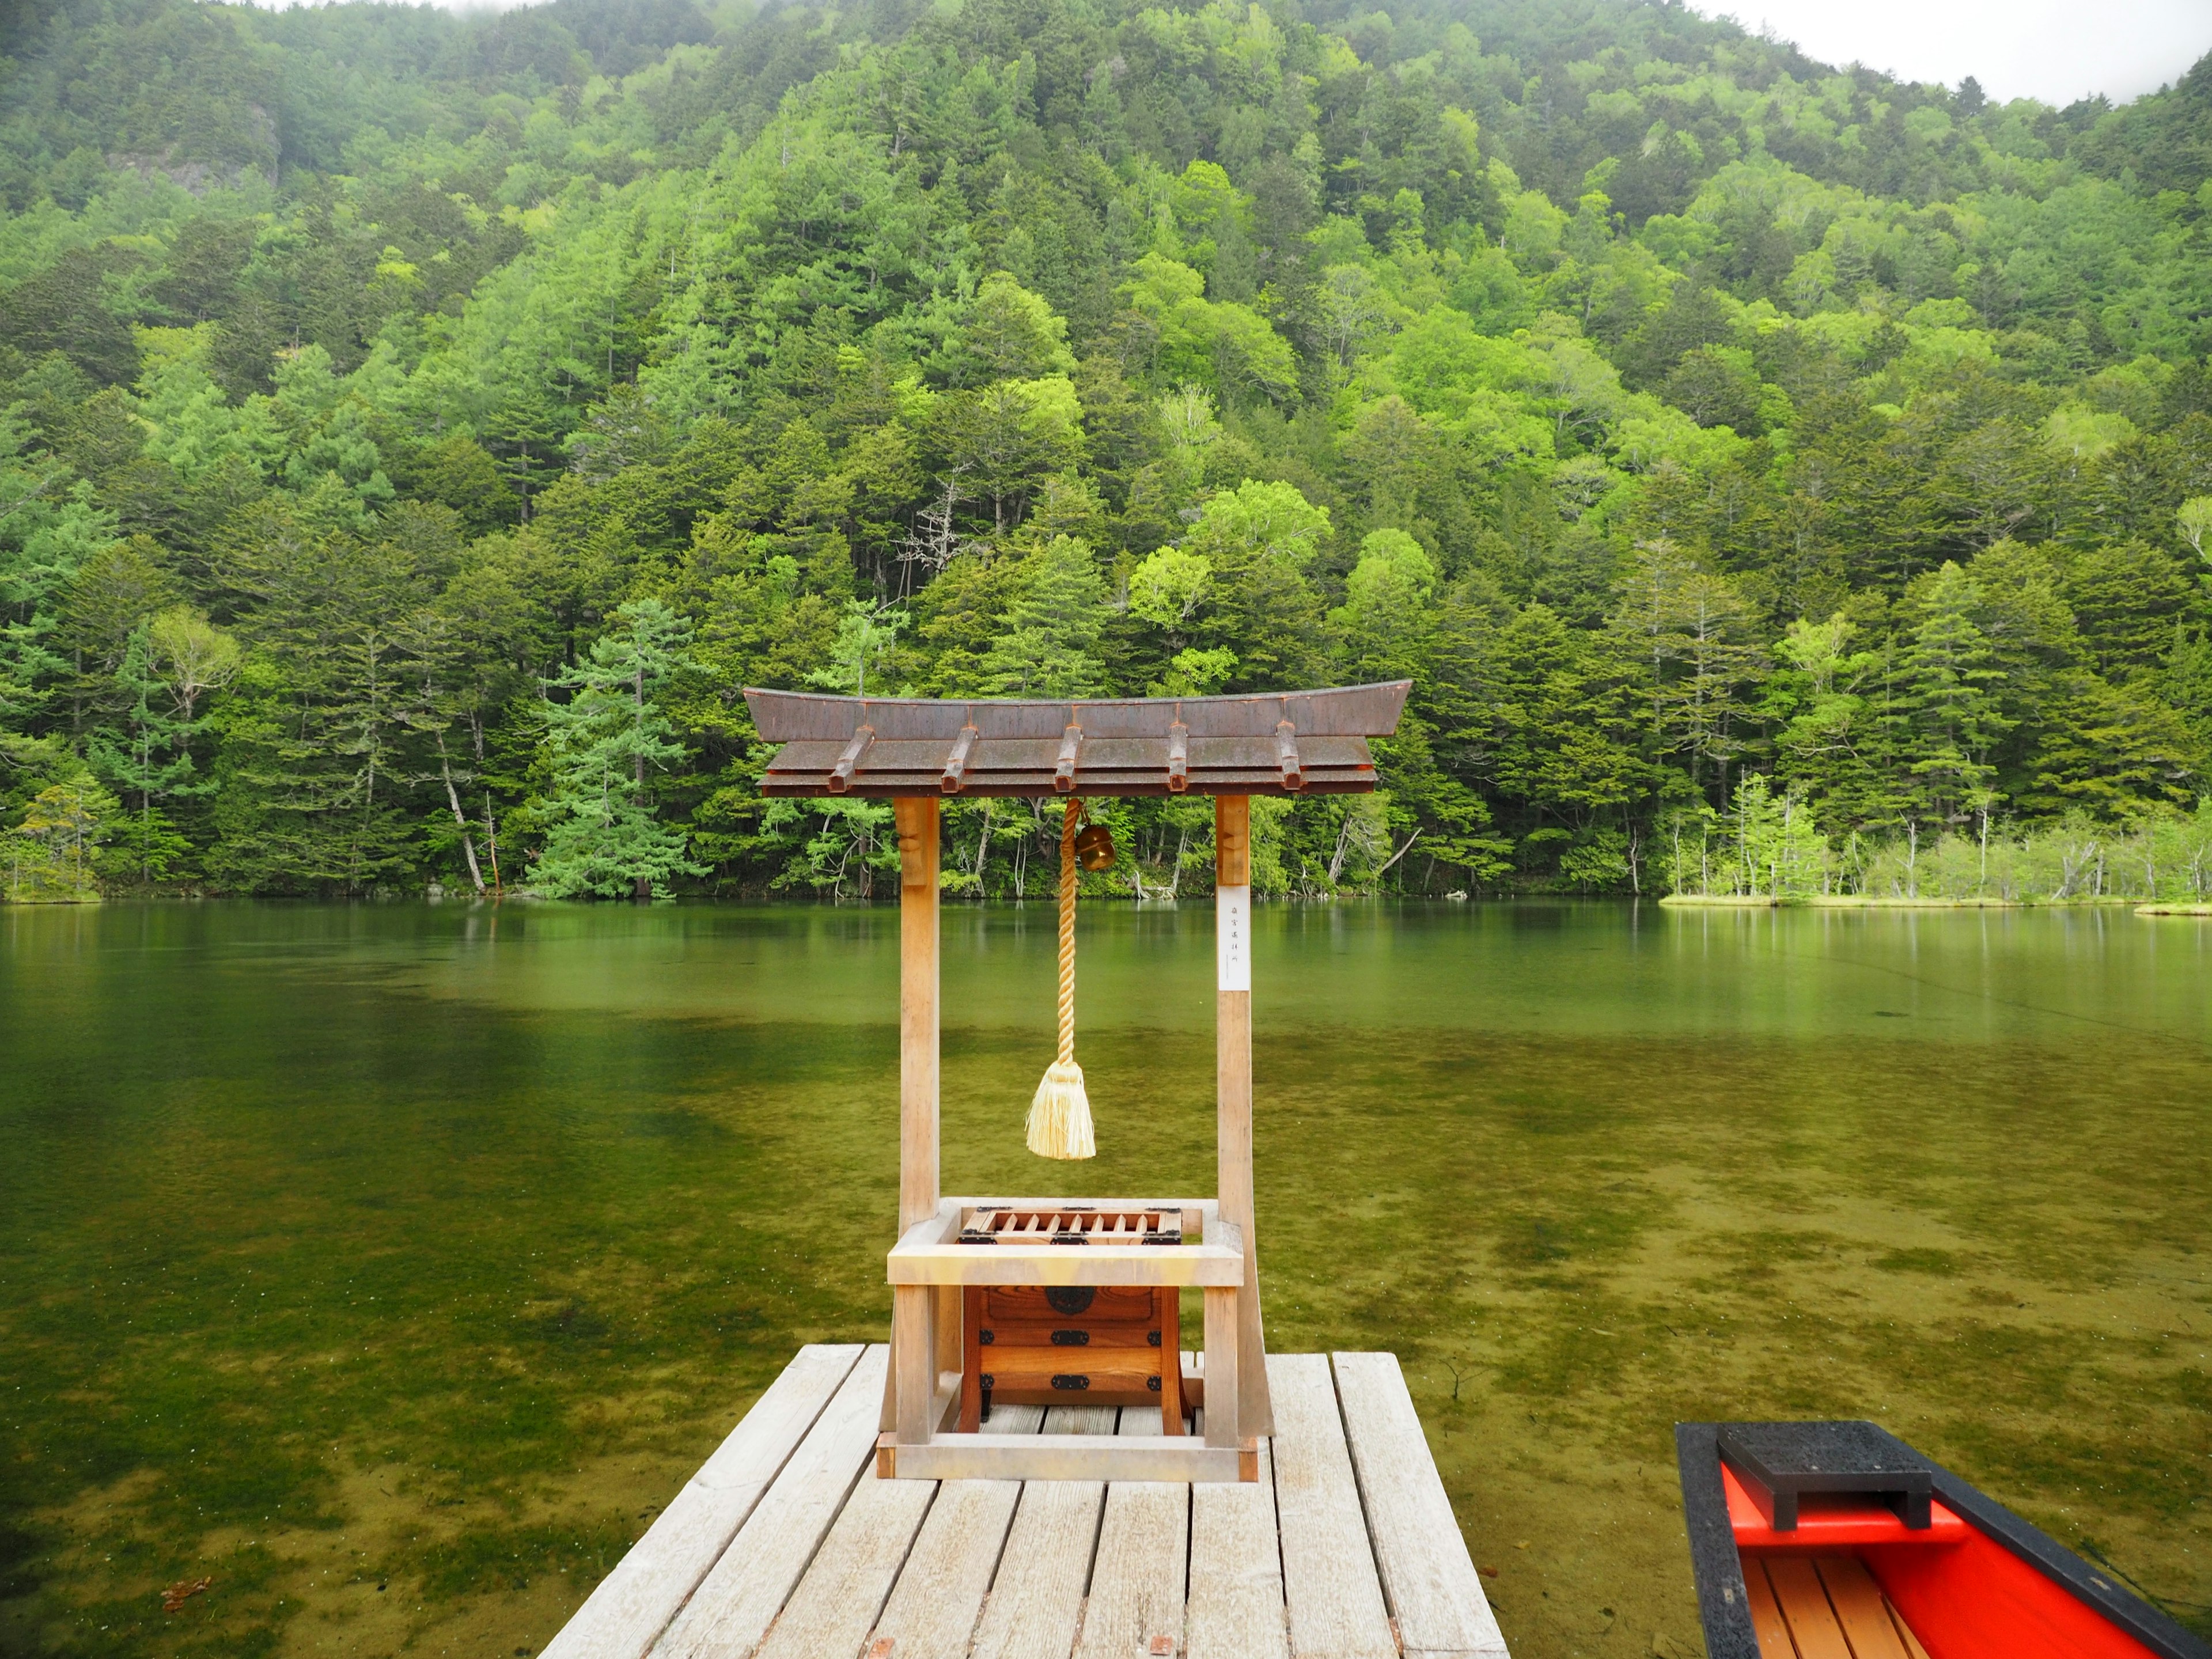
(931, 1265)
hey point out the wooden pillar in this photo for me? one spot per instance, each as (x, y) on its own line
(917, 840)
(1224, 1415)
(1232, 911)
(911, 1380)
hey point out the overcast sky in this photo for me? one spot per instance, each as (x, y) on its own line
(2054, 50)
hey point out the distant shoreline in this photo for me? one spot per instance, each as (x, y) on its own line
(1863, 902)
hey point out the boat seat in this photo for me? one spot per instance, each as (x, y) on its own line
(1823, 1606)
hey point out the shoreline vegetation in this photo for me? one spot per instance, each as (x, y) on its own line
(1879, 901)
(1764, 852)
(1770, 850)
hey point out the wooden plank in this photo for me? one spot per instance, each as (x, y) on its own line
(947, 1319)
(1037, 1597)
(913, 1369)
(1224, 1366)
(1150, 1457)
(1112, 1312)
(1171, 1363)
(1767, 1620)
(1232, 1146)
(916, 822)
(830, 1614)
(1137, 1577)
(990, 1202)
(1015, 1420)
(933, 1609)
(1334, 1597)
(1811, 1621)
(971, 1360)
(1859, 1607)
(1026, 1377)
(918, 841)
(1429, 1579)
(1912, 1648)
(734, 1605)
(1020, 1259)
(1235, 1606)
(648, 1586)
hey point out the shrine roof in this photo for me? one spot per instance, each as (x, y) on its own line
(1282, 742)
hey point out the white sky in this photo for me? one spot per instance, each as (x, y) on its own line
(2054, 50)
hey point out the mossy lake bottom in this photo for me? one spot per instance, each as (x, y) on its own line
(390, 1266)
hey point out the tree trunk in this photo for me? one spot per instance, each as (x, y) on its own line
(491, 842)
(460, 818)
(1343, 846)
(1399, 853)
(641, 888)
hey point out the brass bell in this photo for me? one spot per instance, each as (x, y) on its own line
(1094, 847)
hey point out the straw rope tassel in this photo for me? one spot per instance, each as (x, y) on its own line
(1059, 1116)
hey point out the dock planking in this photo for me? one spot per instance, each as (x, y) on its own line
(1037, 1601)
(1136, 1572)
(1424, 1565)
(787, 1545)
(1335, 1614)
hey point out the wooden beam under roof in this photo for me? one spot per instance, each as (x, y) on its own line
(1280, 744)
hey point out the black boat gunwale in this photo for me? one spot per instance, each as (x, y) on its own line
(1724, 1606)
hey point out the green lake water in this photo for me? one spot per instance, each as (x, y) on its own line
(389, 1266)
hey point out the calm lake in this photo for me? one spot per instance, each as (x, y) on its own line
(389, 1266)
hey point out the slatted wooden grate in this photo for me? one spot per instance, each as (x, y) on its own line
(992, 1224)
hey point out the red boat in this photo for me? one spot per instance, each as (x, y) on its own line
(1838, 1540)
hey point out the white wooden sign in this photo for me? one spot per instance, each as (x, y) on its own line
(1232, 937)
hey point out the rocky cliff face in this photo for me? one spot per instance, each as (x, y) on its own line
(201, 173)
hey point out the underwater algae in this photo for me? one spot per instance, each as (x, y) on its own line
(389, 1267)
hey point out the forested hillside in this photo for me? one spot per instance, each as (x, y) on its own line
(418, 427)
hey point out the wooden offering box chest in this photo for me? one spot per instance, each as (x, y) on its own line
(1113, 1345)
(1109, 1345)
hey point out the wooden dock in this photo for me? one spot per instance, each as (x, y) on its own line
(786, 1545)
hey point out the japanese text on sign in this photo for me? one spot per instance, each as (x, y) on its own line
(1232, 937)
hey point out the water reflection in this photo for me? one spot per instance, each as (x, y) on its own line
(433, 1246)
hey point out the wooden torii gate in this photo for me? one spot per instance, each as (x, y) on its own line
(1098, 1275)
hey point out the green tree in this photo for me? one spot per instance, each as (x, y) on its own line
(1012, 334)
(866, 636)
(1386, 616)
(1779, 852)
(49, 528)
(1051, 645)
(1945, 676)
(603, 834)
(50, 852)
(147, 755)
(1834, 743)
(1693, 632)
(2195, 521)
(1259, 542)
(319, 769)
